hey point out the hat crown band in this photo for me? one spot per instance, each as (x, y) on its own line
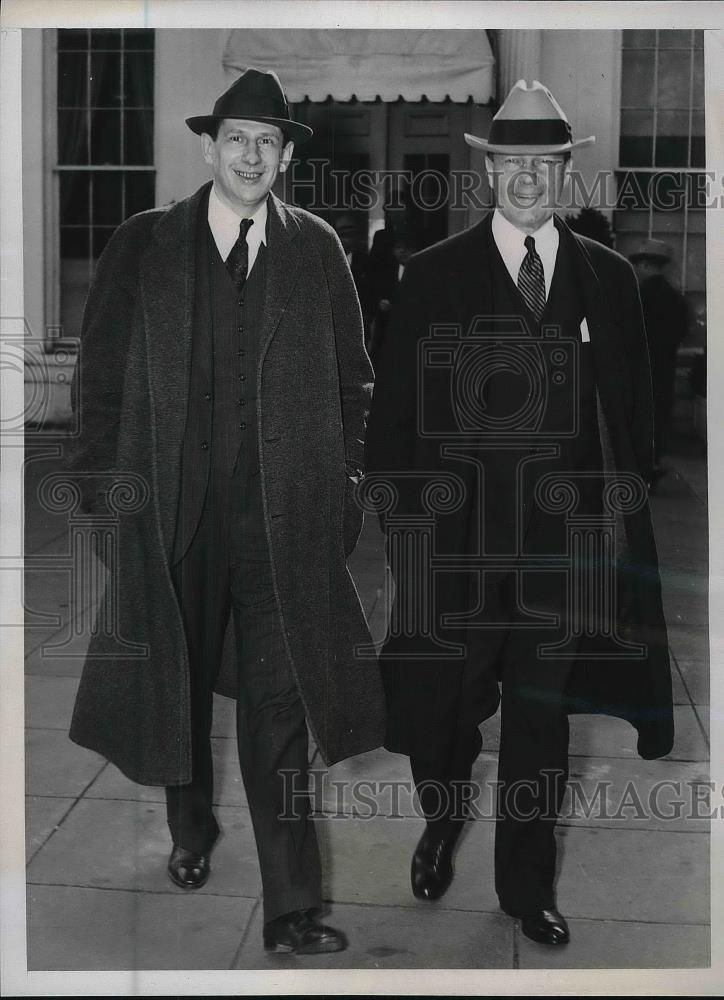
(529, 132)
(243, 106)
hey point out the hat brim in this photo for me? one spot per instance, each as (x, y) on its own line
(295, 130)
(564, 147)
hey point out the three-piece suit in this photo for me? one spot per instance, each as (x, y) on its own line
(463, 361)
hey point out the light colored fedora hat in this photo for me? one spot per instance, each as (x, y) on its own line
(653, 250)
(530, 120)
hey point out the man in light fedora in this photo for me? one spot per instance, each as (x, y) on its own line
(512, 415)
(666, 316)
(222, 362)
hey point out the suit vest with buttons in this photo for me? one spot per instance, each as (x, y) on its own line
(221, 425)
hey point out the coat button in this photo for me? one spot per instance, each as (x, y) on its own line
(243, 426)
(204, 445)
(207, 395)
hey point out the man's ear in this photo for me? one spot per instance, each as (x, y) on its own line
(285, 158)
(490, 171)
(566, 179)
(207, 144)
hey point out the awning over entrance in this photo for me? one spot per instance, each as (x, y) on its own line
(366, 64)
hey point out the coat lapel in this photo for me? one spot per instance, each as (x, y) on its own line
(284, 260)
(606, 340)
(602, 328)
(167, 297)
(469, 278)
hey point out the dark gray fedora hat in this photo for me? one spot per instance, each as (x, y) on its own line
(256, 96)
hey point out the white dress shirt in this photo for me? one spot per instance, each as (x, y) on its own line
(224, 225)
(511, 244)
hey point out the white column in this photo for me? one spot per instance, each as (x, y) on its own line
(519, 55)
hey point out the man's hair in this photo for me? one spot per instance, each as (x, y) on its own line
(213, 131)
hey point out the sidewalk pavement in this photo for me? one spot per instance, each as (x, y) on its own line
(635, 888)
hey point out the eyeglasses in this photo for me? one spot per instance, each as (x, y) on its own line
(530, 164)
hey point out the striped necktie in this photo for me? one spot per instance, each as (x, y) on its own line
(237, 263)
(531, 281)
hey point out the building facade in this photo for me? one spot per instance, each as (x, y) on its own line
(104, 137)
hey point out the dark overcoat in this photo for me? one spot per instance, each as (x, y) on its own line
(313, 386)
(431, 690)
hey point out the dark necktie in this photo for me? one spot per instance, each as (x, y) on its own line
(531, 281)
(237, 263)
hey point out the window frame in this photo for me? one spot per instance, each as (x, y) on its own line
(652, 169)
(55, 337)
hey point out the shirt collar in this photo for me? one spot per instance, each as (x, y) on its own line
(224, 225)
(506, 233)
(511, 244)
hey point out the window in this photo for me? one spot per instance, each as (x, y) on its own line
(661, 185)
(104, 152)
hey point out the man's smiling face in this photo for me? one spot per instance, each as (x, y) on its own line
(246, 158)
(528, 189)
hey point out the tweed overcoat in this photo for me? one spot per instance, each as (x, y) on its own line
(430, 690)
(131, 389)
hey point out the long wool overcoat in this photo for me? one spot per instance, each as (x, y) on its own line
(313, 386)
(432, 691)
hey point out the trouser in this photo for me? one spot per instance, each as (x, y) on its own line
(533, 758)
(227, 567)
(532, 776)
(443, 777)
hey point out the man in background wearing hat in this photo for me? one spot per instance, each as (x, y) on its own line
(222, 363)
(513, 392)
(666, 317)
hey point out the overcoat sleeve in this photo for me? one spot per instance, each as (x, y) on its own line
(355, 370)
(97, 385)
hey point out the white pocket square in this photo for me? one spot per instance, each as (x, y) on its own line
(585, 335)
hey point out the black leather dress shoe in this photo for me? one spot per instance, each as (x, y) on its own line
(432, 869)
(546, 927)
(187, 869)
(298, 933)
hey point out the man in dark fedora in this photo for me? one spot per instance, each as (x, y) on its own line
(666, 316)
(222, 362)
(512, 422)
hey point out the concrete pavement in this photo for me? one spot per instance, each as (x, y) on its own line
(635, 886)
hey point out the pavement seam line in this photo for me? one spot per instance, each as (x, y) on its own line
(66, 814)
(56, 826)
(245, 934)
